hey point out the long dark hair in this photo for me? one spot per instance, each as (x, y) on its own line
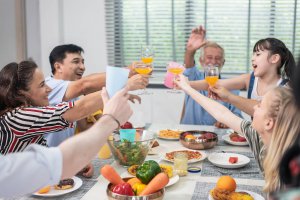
(276, 46)
(14, 78)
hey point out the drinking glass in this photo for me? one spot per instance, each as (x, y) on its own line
(143, 69)
(211, 75)
(147, 54)
(175, 69)
(181, 163)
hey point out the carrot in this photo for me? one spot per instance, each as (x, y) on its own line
(111, 175)
(157, 183)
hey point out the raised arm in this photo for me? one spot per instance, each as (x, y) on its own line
(195, 42)
(217, 110)
(235, 83)
(83, 107)
(79, 150)
(244, 104)
(86, 85)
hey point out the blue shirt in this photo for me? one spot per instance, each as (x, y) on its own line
(196, 114)
(59, 88)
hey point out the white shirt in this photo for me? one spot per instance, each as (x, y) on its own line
(28, 171)
(254, 94)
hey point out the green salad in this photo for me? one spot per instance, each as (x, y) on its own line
(129, 153)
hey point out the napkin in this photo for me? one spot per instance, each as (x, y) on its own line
(116, 79)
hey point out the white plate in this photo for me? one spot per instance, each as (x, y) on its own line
(226, 138)
(53, 192)
(163, 138)
(222, 160)
(253, 194)
(155, 150)
(174, 179)
(204, 155)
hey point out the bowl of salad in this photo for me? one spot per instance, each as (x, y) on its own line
(129, 153)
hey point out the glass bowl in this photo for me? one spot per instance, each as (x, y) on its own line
(128, 153)
(199, 139)
(113, 196)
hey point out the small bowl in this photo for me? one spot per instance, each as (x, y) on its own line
(128, 153)
(114, 196)
(198, 143)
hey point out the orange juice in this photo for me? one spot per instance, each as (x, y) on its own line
(143, 70)
(176, 71)
(211, 80)
(147, 59)
(104, 152)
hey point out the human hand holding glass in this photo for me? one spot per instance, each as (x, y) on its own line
(175, 69)
(143, 69)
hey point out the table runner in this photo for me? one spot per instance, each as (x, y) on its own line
(202, 189)
(87, 184)
(250, 171)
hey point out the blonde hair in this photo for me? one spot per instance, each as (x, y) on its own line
(213, 45)
(283, 110)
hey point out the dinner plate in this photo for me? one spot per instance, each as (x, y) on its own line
(253, 194)
(204, 155)
(227, 139)
(222, 160)
(155, 150)
(53, 192)
(169, 138)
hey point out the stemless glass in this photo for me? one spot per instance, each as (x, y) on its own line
(143, 69)
(147, 54)
(175, 69)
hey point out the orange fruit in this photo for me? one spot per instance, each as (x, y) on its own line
(226, 183)
(44, 190)
(133, 181)
(191, 137)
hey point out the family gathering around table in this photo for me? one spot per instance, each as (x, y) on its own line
(51, 128)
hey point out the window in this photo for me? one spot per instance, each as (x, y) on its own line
(235, 24)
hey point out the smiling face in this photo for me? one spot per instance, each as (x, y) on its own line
(71, 68)
(212, 56)
(262, 122)
(38, 90)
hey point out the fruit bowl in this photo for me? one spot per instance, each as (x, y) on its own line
(128, 153)
(114, 196)
(198, 139)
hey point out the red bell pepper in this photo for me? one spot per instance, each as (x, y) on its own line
(123, 189)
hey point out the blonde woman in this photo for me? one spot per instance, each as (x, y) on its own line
(274, 128)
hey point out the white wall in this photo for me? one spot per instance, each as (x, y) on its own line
(8, 50)
(70, 21)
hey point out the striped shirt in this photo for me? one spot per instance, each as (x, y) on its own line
(255, 142)
(23, 126)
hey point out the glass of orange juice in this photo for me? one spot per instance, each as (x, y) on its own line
(175, 69)
(143, 69)
(147, 54)
(211, 75)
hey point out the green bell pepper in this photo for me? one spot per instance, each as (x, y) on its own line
(148, 170)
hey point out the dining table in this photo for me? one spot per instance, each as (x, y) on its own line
(192, 186)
